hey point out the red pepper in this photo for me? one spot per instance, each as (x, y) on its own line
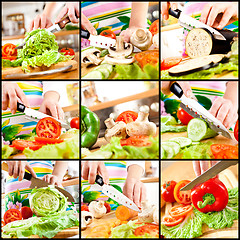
(210, 196)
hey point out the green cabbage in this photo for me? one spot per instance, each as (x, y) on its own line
(47, 201)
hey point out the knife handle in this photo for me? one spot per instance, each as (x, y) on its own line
(20, 107)
(176, 89)
(63, 22)
(175, 13)
(99, 180)
(85, 34)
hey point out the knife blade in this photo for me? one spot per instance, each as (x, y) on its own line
(116, 195)
(211, 172)
(35, 115)
(190, 23)
(196, 110)
(38, 183)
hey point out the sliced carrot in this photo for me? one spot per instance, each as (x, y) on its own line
(123, 213)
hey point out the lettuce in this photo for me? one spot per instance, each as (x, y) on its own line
(47, 201)
(8, 151)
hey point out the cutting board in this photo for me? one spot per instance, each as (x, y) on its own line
(226, 176)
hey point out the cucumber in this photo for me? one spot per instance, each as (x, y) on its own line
(169, 151)
(94, 75)
(182, 141)
(163, 153)
(174, 145)
(197, 130)
(105, 69)
(168, 120)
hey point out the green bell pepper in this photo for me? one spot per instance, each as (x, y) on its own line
(90, 126)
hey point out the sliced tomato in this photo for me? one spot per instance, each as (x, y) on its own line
(183, 116)
(108, 33)
(170, 221)
(44, 141)
(48, 128)
(127, 117)
(180, 210)
(9, 49)
(151, 58)
(68, 51)
(154, 28)
(8, 57)
(84, 208)
(12, 215)
(22, 144)
(170, 62)
(183, 197)
(137, 141)
(167, 191)
(26, 212)
(139, 56)
(236, 131)
(151, 229)
(224, 151)
(75, 123)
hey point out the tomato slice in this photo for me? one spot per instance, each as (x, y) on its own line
(170, 221)
(26, 212)
(68, 51)
(9, 49)
(127, 117)
(22, 144)
(44, 141)
(224, 151)
(154, 28)
(151, 229)
(138, 141)
(170, 62)
(139, 56)
(48, 128)
(12, 215)
(108, 33)
(151, 58)
(180, 210)
(183, 197)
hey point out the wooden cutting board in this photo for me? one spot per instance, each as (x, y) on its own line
(226, 176)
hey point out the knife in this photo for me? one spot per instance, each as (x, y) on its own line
(211, 172)
(54, 28)
(35, 115)
(116, 195)
(196, 110)
(38, 183)
(190, 23)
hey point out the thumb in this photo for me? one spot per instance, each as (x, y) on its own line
(186, 89)
(30, 170)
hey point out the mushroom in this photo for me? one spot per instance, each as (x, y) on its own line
(147, 212)
(97, 208)
(119, 54)
(141, 126)
(141, 38)
(117, 129)
(91, 56)
(86, 219)
(156, 216)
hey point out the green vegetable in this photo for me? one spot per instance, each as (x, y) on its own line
(47, 201)
(8, 151)
(163, 153)
(90, 126)
(175, 146)
(14, 63)
(167, 122)
(198, 130)
(42, 226)
(182, 141)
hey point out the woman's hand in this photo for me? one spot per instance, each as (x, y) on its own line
(90, 169)
(72, 10)
(218, 15)
(40, 21)
(85, 24)
(224, 111)
(17, 169)
(201, 166)
(52, 179)
(135, 190)
(165, 7)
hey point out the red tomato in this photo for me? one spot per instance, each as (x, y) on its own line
(68, 51)
(8, 57)
(107, 206)
(108, 33)
(170, 221)
(151, 58)
(22, 144)
(180, 210)
(48, 127)
(84, 208)
(138, 141)
(224, 151)
(140, 56)
(44, 140)
(183, 197)
(12, 215)
(154, 28)
(183, 116)
(9, 49)
(167, 191)
(151, 229)
(75, 123)
(170, 62)
(127, 117)
(3, 224)
(236, 131)
(26, 212)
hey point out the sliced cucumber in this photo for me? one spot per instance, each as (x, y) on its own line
(169, 151)
(182, 141)
(94, 75)
(105, 69)
(163, 153)
(174, 145)
(197, 130)
(168, 120)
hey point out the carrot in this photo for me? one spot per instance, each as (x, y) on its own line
(123, 213)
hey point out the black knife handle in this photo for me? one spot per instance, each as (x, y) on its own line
(175, 13)
(176, 89)
(99, 180)
(20, 107)
(85, 34)
(27, 176)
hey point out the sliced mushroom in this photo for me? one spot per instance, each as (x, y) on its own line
(141, 38)
(119, 53)
(115, 129)
(86, 219)
(91, 56)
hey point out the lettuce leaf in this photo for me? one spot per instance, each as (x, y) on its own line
(8, 151)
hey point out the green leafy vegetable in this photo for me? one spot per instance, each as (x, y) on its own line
(8, 151)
